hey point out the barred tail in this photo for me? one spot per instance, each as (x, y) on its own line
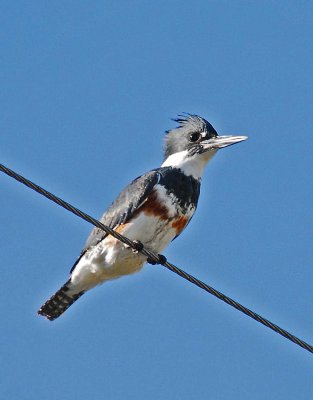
(59, 302)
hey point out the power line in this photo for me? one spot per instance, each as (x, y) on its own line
(157, 259)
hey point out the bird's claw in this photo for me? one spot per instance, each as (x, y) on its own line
(162, 260)
(138, 246)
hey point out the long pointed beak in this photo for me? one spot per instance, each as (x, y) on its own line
(219, 142)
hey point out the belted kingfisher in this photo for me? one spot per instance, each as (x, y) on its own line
(152, 210)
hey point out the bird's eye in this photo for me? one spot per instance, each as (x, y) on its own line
(194, 137)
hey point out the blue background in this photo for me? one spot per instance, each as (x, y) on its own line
(87, 90)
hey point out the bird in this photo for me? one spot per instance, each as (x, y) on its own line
(152, 211)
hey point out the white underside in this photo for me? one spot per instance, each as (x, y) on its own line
(111, 259)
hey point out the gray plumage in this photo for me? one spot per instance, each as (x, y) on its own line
(178, 139)
(124, 206)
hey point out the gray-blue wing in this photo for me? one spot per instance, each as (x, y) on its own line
(124, 206)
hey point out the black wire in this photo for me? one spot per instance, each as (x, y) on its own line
(158, 259)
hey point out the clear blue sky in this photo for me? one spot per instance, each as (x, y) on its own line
(87, 90)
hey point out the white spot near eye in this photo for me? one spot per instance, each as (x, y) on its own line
(203, 134)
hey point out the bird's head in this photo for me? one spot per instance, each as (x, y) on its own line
(191, 145)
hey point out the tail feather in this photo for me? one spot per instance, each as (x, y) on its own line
(59, 302)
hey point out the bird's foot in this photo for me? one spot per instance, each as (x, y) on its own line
(138, 246)
(162, 260)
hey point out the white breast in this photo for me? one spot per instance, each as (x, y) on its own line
(111, 258)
